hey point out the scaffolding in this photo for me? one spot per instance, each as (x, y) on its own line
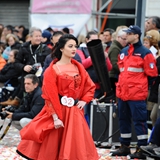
(97, 12)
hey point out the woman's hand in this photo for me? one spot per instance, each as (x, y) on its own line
(58, 124)
(81, 104)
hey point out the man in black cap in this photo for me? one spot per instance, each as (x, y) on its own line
(135, 63)
(46, 38)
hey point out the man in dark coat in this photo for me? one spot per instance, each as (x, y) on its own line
(113, 52)
(32, 52)
(31, 57)
(31, 105)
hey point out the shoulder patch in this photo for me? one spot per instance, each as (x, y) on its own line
(151, 65)
(122, 56)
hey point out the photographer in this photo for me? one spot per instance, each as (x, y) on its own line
(31, 105)
(30, 54)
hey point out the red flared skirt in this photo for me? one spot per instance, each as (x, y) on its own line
(73, 142)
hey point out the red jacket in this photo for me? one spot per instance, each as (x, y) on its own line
(135, 63)
(87, 62)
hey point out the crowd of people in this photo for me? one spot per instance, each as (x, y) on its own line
(55, 81)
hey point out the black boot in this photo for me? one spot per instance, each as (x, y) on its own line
(138, 154)
(122, 151)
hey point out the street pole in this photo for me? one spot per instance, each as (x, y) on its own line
(140, 15)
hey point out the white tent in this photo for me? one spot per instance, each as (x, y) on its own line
(58, 14)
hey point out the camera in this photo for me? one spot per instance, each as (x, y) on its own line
(34, 69)
(3, 114)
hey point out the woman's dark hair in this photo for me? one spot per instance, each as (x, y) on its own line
(2, 45)
(15, 52)
(61, 43)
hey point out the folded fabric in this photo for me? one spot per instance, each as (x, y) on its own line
(38, 128)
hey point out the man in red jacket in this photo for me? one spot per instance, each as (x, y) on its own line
(87, 63)
(135, 63)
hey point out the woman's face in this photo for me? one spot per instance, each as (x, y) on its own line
(146, 43)
(1, 50)
(11, 57)
(11, 41)
(69, 49)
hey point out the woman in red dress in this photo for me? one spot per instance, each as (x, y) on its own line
(60, 131)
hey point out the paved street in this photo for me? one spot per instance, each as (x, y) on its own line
(10, 141)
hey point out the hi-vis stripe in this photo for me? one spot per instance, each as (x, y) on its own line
(132, 69)
(126, 135)
(141, 137)
(121, 69)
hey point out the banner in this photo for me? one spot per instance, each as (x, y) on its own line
(75, 22)
(61, 6)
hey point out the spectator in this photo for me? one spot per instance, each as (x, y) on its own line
(65, 30)
(87, 63)
(101, 36)
(12, 42)
(1, 30)
(62, 122)
(81, 39)
(23, 32)
(2, 47)
(28, 38)
(114, 34)
(154, 33)
(120, 27)
(50, 30)
(31, 104)
(86, 60)
(152, 103)
(54, 39)
(107, 34)
(135, 63)
(46, 38)
(113, 52)
(152, 22)
(149, 41)
(1, 26)
(7, 30)
(2, 60)
(30, 53)
(9, 73)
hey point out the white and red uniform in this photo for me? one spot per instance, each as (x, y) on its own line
(135, 63)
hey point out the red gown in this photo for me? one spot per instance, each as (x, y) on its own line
(40, 140)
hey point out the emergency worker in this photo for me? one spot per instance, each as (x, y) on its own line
(135, 63)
